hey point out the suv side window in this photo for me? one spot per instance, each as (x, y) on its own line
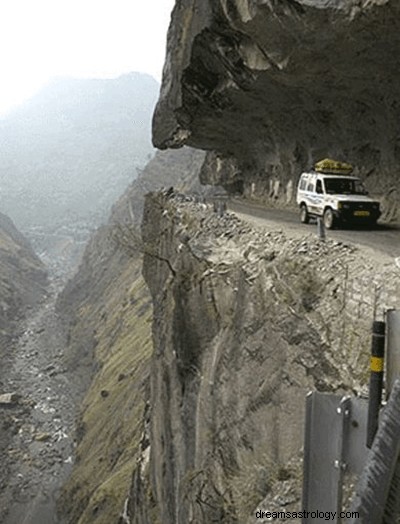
(318, 188)
(303, 183)
(310, 186)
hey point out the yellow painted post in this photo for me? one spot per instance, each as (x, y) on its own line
(376, 379)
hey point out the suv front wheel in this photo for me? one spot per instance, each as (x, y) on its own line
(304, 216)
(329, 218)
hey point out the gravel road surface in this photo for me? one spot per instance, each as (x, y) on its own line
(384, 238)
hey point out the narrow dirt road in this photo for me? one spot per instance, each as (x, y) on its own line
(36, 432)
(384, 238)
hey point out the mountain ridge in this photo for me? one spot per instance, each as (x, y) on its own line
(23, 280)
(66, 156)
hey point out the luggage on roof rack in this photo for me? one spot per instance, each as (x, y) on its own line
(327, 165)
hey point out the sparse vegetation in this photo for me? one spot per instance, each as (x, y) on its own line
(109, 447)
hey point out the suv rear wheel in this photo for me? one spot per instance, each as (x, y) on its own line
(329, 218)
(304, 216)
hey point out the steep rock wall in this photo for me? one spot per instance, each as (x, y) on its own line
(108, 311)
(270, 87)
(246, 322)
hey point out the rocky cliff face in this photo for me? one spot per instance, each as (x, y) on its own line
(271, 87)
(23, 278)
(109, 313)
(246, 322)
(201, 420)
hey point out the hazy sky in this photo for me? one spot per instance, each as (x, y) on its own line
(40, 39)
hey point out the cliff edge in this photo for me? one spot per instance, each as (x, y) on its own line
(247, 320)
(108, 311)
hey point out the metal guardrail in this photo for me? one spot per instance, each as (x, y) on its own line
(340, 473)
(377, 497)
(335, 451)
(392, 348)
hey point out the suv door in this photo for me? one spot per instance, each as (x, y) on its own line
(311, 196)
(319, 198)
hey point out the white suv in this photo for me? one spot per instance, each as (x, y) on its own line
(335, 198)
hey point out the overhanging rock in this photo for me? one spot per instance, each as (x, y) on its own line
(278, 85)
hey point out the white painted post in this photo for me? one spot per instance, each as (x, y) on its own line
(321, 229)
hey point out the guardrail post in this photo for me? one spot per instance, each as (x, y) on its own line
(376, 379)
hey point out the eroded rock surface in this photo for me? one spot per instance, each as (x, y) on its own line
(247, 320)
(270, 87)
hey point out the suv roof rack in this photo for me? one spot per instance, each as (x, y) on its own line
(334, 167)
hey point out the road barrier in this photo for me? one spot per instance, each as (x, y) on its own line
(376, 497)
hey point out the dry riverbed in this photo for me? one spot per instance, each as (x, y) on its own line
(37, 422)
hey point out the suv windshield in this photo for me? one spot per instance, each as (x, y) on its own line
(344, 186)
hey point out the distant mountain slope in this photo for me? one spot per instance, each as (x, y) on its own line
(22, 278)
(70, 151)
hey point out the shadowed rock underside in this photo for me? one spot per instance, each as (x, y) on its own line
(271, 87)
